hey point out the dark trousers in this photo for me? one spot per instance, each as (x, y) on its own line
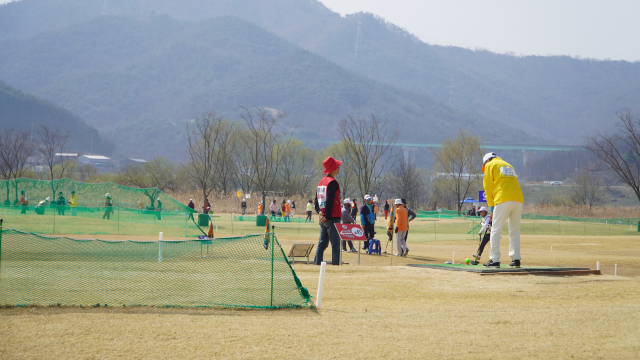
(243, 210)
(24, 209)
(344, 245)
(483, 243)
(328, 234)
(369, 232)
(60, 210)
(308, 216)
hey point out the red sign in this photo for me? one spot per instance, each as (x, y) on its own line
(351, 232)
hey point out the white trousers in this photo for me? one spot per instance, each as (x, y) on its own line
(511, 210)
(401, 241)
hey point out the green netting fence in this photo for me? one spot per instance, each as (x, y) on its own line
(282, 219)
(133, 211)
(248, 271)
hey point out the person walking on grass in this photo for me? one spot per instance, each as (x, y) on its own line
(329, 211)
(402, 226)
(243, 206)
(347, 219)
(309, 211)
(484, 233)
(505, 200)
(274, 209)
(73, 203)
(367, 220)
(108, 204)
(386, 207)
(354, 209)
(287, 211)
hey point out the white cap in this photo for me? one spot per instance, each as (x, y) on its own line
(48, 199)
(158, 199)
(482, 209)
(107, 195)
(398, 201)
(288, 201)
(488, 156)
(348, 201)
(190, 199)
(367, 197)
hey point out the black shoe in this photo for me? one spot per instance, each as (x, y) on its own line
(492, 264)
(515, 263)
(474, 262)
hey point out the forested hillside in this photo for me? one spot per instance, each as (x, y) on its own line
(554, 97)
(23, 112)
(117, 72)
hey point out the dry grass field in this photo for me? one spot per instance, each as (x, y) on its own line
(378, 311)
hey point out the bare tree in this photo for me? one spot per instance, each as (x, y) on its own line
(87, 171)
(298, 168)
(588, 190)
(620, 152)
(369, 148)
(263, 148)
(52, 147)
(459, 160)
(406, 182)
(159, 174)
(205, 136)
(15, 150)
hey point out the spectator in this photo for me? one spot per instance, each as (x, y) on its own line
(402, 226)
(293, 208)
(191, 205)
(24, 202)
(207, 207)
(73, 203)
(367, 220)
(287, 211)
(309, 211)
(505, 201)
(159, 210)
(260, 208)
(347, 219)
(411, 215)
(274, 208)
(243, 205)
(354, 209)
(386, 209)
(484, 233)
(108, 204)
(61, 203)
(329, 211)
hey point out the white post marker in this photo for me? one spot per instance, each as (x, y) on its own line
(323, 267)
(598, 265)
(615, 271)
(453, 259)
(160, 248)
(552, 248)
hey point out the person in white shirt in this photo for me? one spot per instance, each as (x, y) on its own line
(484, 233)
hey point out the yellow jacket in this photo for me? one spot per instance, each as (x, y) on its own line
(501, 183)
(73, 201)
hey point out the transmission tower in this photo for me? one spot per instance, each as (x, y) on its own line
(358, 36)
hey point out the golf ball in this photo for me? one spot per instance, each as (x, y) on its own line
(468, 261)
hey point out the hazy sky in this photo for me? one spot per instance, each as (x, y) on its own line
(587, 28)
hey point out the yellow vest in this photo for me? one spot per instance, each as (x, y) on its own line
(73, 201)
(501, 183)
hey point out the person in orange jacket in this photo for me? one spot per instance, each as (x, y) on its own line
(402, 226)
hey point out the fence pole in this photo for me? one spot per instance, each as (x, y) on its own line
(54, 221)
(0, 243)
(118, 219)
(160, 247)
(272, 245)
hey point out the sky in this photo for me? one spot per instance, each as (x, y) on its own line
(604, 29)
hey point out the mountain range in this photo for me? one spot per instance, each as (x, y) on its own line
(121, 63)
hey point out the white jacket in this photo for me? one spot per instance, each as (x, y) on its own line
(486, 224)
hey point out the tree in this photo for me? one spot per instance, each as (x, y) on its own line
(620, 151)
(369, 148)
(15, 150)
(52, 146)
(460, 161)
(263, 148)
(159, 174)
(406, 183)
(298, 168)
(588, 189)
(205, 136)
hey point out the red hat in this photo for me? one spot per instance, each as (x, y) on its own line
(330, 165)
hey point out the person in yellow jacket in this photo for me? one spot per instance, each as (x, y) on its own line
(73, 203)
(505, 200)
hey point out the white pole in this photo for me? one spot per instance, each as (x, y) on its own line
(323, 267)
(615, 271)
(454, 258)
(160, 248)
(552, 248)
(598, 265)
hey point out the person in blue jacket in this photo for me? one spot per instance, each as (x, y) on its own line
(367, 220)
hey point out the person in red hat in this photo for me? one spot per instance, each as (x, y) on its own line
(329, 210)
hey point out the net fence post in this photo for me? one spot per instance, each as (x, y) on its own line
(160, 248)
(273, 236)
(1, 244)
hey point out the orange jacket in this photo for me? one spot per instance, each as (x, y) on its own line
(260, 209)
(401, 219)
